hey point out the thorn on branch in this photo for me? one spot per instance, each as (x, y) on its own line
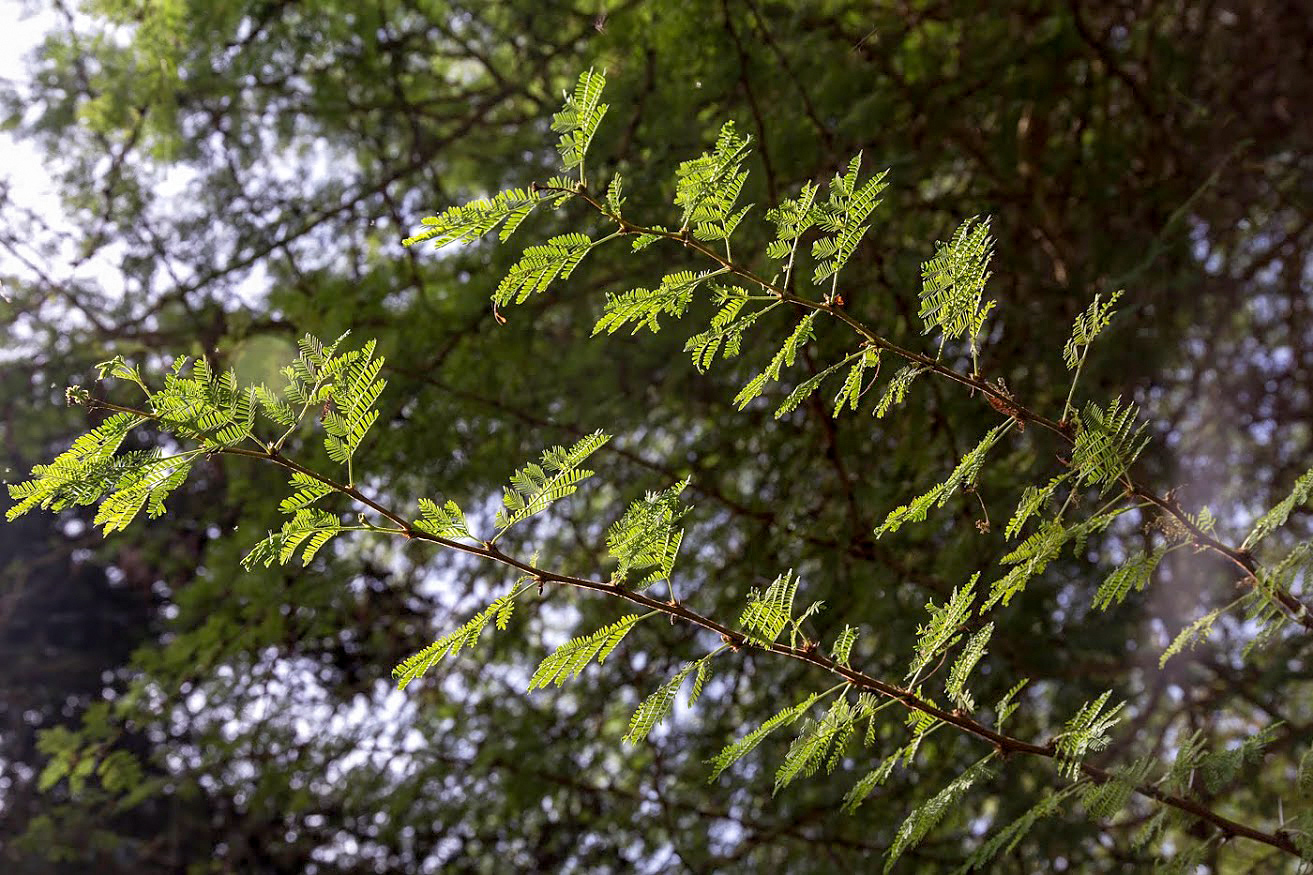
(1001, 400)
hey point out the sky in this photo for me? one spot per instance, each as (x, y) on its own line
(20, 163)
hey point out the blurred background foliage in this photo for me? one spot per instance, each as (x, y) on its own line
(231, 175)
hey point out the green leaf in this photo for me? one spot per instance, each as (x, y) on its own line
(964, 475)
(736, 750)
(768, 612)
(354, 395)
(1006, 706)
(421, 663)
(848, 207)
(843, 645)
(308, 531)
(805, 389)
(1103, 801)
(443, 521)
(1107, 443)
(1220, 768)
(1085, 733)
(1277, 516)
(573, 656)
(535, 486)
(1191, 635)
(817, 742)
(471, 221)
(142, 485)
(944, 627)
(855, 796)
(971, 653)
(896, 390)
(82, 474)
(1006, 839)
(644, 307)
(851, 392)
(656, 707)
(708, 187)
(726, 331)
(1133, 574)
(540, 266)
(928, 815)
(578, 120)
(802, 332)
(792, 218)
(1088, 326)
(308, 490)
(953, 283)
(1033, 500)
(645, 538)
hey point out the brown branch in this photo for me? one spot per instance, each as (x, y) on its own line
(996, 396)
(1006, 745)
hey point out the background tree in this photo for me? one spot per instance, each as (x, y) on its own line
(263, 162)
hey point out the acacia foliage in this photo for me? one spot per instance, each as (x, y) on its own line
(211, 411)
(1041, 118)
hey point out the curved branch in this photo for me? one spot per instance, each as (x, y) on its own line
(808, 653)
(996, 396)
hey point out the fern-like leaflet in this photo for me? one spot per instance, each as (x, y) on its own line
(971, 653)
(416, 666)
(308, 530)
(1107, 442)
(802, 332)
(1087, 327)
(843, 645)
(1085, 733)
(542, 265)
(646, 538)
(807, 387)
(572, 657)
(736, 750)
(851, 392)
(725, 336)
(770, 611)
(944, 627)
(927, 816)
(442, 520)
(708, 187)
(1280, 512)
(1006, 839)
(1134, 573)
(352, 413)
(842, 220)
(963, 476)
(578, 120)
(80, 475)
(818, 743)
(656, 707)
(535, 486)
(473, 220)
(896, 390)
(643, 307)
(953, 285)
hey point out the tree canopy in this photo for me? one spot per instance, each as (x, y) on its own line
(235, 177)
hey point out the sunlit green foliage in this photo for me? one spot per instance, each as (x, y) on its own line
(220, 417)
